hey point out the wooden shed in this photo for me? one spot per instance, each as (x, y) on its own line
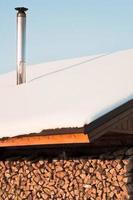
(68, 133)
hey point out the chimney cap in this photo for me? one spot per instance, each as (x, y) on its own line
(21, 9)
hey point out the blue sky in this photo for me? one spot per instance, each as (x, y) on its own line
(58, 29)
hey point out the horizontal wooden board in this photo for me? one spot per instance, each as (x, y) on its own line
(45, 140)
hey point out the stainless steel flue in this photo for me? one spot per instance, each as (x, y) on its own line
(21, 41)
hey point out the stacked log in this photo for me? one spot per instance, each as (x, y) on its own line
(129, 153)
(102, 178)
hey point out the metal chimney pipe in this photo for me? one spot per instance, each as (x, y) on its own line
(21, 39)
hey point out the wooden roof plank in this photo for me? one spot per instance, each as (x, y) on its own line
(45, 140)
(107, 122)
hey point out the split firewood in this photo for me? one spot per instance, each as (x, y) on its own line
(79, 179)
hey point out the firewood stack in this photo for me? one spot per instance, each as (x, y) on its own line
(130, 172)
(103, 178)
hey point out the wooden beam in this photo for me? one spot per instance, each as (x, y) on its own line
(115, 130)
(45, 140)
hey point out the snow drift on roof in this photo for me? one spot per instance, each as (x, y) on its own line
(66, 93)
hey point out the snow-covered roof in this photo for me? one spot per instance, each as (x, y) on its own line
(66, 93)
